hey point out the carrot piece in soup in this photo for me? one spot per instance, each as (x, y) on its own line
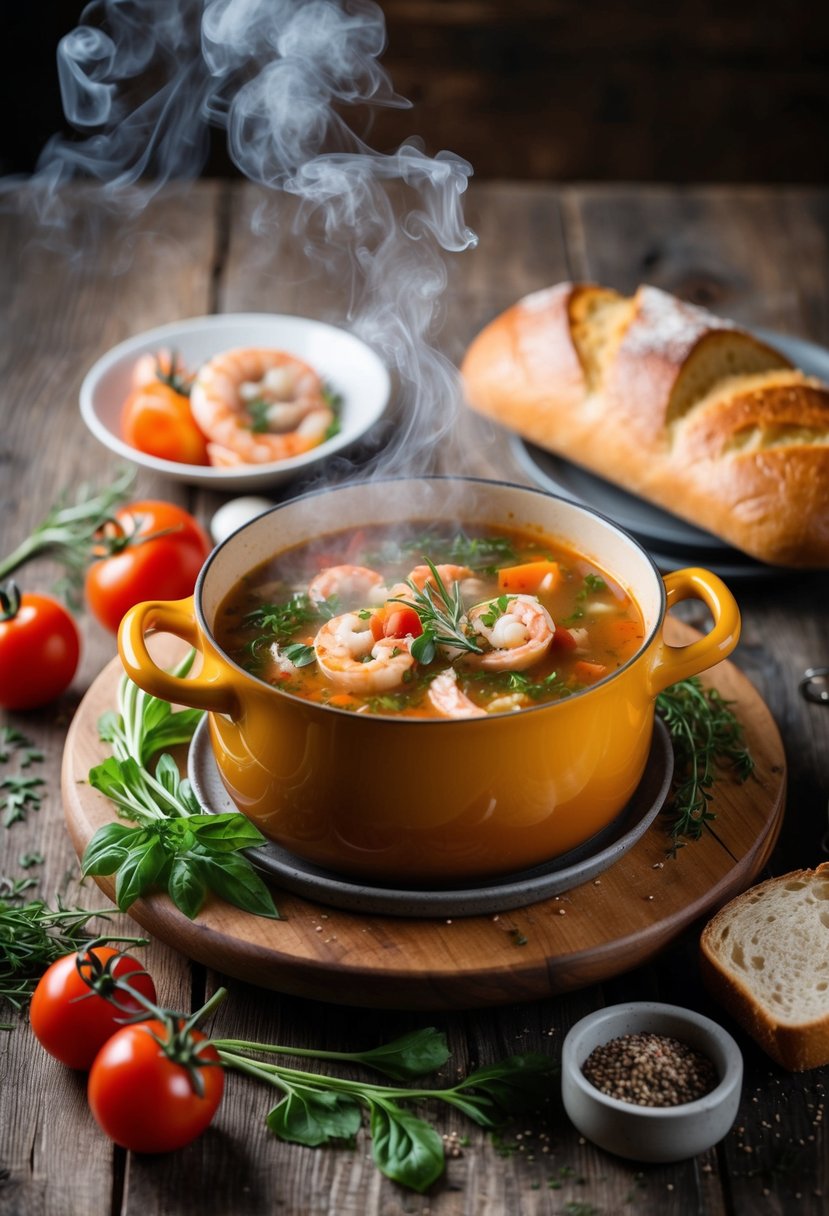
(530, 577)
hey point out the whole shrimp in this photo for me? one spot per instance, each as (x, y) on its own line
(350, 656)
(447, 699)
(350, 584)
(518, 637)
(256, 405)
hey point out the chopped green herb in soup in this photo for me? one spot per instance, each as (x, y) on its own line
(429, 621)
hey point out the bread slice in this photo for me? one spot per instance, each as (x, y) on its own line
(765, 956)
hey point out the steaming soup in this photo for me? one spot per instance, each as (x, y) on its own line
(429, 621)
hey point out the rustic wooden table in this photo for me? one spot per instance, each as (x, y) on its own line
(758, 255)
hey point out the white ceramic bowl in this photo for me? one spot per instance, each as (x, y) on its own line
(651, 1133)
(351, 369)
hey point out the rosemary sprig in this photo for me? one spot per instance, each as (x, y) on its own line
(33, 935)
(442, 616)
(706, 736)
(68, 534)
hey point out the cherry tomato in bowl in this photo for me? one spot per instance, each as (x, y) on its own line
(157, 420)
(156, 417)
(71, 1020)
(155, 551)
(39, 650)
(144, 1100)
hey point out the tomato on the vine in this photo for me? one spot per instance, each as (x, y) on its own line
(39, 649)
(144, 1100)
(154, 552)
(71, 1020)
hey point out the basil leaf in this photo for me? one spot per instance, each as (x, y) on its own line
(108, 725)
(423, 648)
(167, 773)
(299, 654)
(313, 1117)
(171, 731)
(226, 833)
(405, 1148)
(515, 1085)
(186, 887)
(412, 1055)
(234, 878)
(108, 848)
(139, 872)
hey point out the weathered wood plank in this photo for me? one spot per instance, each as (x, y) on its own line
(63, 307)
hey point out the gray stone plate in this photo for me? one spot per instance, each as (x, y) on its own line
(499, 894)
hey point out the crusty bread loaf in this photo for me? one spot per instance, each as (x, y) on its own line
(670, 402)
(765, 955)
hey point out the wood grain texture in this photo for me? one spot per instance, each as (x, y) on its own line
(765, 251)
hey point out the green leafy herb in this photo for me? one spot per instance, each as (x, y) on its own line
(68, 535)
(33, 935)
(13, 740)
(258, 410)
(441, 613)
(495, 609)
(18, 796)
(173, 845)
(299, 654)
(484, 554)
(493, 682)
(334, 401)
(706, 735)
(278, 622)
(316, 1109)
(592, 582)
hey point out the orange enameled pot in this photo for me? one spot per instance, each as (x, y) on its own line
(414, 800)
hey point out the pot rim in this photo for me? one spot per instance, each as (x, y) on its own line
(547, 706)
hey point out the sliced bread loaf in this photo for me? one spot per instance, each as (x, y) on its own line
(765, 956)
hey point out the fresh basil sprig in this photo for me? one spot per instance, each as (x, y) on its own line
(173, 845)
(317, 1109)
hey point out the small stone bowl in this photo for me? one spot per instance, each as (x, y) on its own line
(651, 1133)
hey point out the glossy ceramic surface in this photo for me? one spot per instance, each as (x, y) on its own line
(422, 799)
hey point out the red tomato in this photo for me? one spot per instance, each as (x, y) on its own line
(161, 567)
(142, 1099)
(71, 1020)
(403, 622)
(395, 621)
(157, 420)
(39, 651)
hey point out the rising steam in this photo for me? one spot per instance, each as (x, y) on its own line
(143, 80)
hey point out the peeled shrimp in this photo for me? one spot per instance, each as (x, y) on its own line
(519, 637)
(347, 583)
(421, 575)
(291, 413)
(349, 656)
(449, 701)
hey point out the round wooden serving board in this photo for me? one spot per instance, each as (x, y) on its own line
(592, 932)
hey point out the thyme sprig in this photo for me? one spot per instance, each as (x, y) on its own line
(706, 736)
(68, 534)
(442, 615)
(32, 936)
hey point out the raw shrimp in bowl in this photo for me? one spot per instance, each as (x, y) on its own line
(256, 405)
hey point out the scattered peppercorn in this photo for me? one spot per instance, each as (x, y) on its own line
(650, 1070)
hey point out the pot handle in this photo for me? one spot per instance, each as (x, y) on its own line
(210, 689)
(673, 663)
